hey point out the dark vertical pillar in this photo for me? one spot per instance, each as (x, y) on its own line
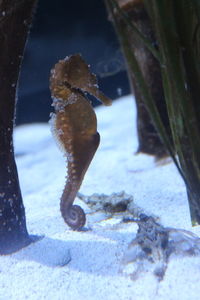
(148, 137)
(15, 20)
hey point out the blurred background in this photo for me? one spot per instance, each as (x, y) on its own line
(62, 28)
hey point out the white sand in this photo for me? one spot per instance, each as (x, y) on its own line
(42, 270)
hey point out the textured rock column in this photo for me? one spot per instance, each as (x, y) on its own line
(15, 20)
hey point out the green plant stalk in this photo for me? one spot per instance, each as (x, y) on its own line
(181, 83)
(176, 26)
(174, 68)
(147, 98)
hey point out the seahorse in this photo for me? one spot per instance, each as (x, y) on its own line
(74, 125)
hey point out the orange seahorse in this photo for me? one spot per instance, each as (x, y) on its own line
(74, 125)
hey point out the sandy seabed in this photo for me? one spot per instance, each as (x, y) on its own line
(88, 264)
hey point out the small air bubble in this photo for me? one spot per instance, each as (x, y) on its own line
(119, 91)
(72, 98)
(60, 132)
(10, 200)
(186, 86)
